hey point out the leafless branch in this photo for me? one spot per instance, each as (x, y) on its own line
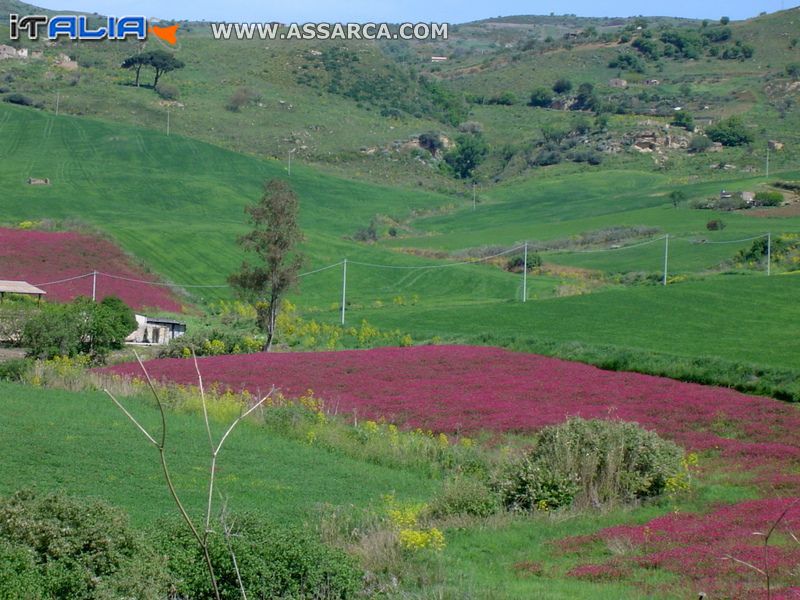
(133, 420)
(227, 530)
(746, 564)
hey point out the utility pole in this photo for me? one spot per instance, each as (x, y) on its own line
(167, 121)
(769, 254)
(58, 100)
(344, 288)
(474, 197)
(525, 275)
(289, 169)
(767, 160)
(666, 257)
(94, 286)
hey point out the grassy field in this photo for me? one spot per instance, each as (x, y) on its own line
(82, 444)
(735, 318)
(177, 205)
(158, 196)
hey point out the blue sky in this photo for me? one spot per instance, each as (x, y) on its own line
(453, 11)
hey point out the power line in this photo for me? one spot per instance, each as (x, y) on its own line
(455, 264)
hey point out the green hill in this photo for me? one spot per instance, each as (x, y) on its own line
(356, 108)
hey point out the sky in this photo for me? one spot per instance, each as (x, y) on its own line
(450, 11)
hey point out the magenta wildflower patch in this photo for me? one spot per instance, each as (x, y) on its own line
(44, 256)
(718, 552)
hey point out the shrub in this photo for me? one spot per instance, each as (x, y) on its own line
(81, 327)
(547, 157)
(699, 144)
(367, 234)
(241, 98)
(431, 141)
(504, 99)
(167, 91)
(562, 86)
(590, 463)
(211, 342)
(730, 132)
(517, 263)
(473, 127)
(274, 563)
(15, 369)
(793, 70)
(20, 99)
(627, 61)
(55, 546)
(769, 198)
(724, 20)
(464, 496)
(684, 119)
(715, 225)
(540, 97)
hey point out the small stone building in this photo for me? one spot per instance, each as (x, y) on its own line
(156, 331)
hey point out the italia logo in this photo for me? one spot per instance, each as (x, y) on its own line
(77, 27)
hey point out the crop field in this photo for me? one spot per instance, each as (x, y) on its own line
(101, 454)
(41, 257)
(469, 390)
(617, 417)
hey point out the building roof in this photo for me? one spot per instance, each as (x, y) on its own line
(164, 321)
(20, 287)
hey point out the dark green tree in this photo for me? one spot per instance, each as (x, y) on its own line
(162, 62)
(273, 240)
(730, 132)
(469, 152)
(135, 62)
(81, 327)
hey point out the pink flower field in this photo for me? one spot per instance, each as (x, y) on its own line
(466, 389)
(707, 549)
(44, 256)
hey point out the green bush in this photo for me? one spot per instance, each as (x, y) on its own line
(769, 198)
(168, 91)
(730, 132)
(469, 153)
(81, 327)
(683, 119)
(55, 546)
(699, 144)
(464, 496)
(20, 99)
(540, 97)
(627, 61)
(211, 342)
(590, 463)
(517, 263)
(273, 563)
(715, 225)
(15, 369)
(562, 86)
(19, 575)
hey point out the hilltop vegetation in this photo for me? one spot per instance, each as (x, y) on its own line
(361, 107)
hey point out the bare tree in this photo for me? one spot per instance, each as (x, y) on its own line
(215, 448)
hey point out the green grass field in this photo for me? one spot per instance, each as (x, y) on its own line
(84, 445)
(177, 205)
(81, 443)
(736, 318)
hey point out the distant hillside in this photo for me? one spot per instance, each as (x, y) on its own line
(385, 112)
